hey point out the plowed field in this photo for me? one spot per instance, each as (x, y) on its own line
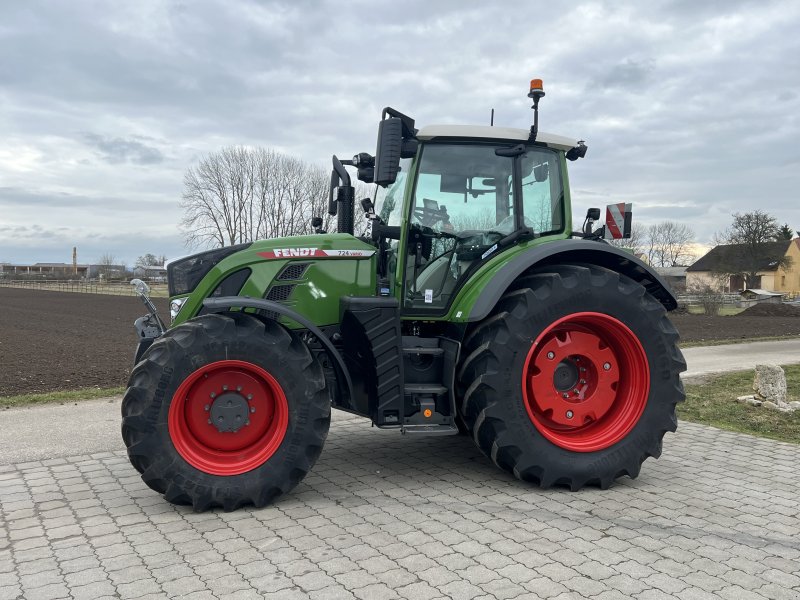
(59, 341)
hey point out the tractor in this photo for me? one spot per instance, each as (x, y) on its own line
(470, 306)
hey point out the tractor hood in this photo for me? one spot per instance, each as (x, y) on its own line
(308, 273)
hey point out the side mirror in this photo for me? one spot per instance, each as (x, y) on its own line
(541, 172)
(316, 222)
(593, 214)
(140, 287)
(387, 154)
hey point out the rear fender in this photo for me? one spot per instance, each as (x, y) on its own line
(571, 252)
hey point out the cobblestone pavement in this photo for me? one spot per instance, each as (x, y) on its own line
(385, 516)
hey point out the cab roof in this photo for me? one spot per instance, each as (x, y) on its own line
(552, 140)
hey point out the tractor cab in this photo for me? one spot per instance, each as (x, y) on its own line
(450, 198)
(467, 195)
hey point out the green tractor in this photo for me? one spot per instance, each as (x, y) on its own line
(470, 306)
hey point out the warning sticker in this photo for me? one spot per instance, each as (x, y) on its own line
(428, 296)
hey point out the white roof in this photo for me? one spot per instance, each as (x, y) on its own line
(559, 142)
(760, 292)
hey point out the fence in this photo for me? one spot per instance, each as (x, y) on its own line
(122, 288)
(697, 299)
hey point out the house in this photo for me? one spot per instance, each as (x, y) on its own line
(715, 267)
(152, 272)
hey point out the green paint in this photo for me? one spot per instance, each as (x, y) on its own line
(316, 295)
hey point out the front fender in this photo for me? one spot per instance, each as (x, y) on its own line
(571, 252)
(225, 303)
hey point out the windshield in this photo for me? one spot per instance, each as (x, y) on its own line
(463, 188)
(463, 205)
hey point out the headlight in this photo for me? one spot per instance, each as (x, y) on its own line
(175, 307)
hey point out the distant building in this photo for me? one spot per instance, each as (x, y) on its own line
(107, 272)
(757, 296)
(61, 271)
(44, 270)
(152, 273)
(709, 269)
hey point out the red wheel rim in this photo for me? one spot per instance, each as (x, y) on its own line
(254, 401)
(585, 381)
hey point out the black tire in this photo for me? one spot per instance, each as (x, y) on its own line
(192, 346)
(495, 355)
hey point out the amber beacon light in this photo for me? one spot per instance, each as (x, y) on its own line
(537, 88)
(536, 93)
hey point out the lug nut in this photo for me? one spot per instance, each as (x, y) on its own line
(565, 394)
(224, 388)
(252, 409)
(551, 355)
(569, 414)
(213, 395)
(247, 422)
(249, 396)
(238, 388)
(207, 407)
(209, 421)
(583, 382)
(606, 366)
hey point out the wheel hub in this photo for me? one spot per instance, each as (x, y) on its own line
(229, 412)
(566, 375)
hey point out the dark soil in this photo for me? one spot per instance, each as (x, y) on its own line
(52, 341)
(698, 328)
(771, 310)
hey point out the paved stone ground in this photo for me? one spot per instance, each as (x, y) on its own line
(384, 516)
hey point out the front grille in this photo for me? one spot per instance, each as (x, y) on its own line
(280, 293)
(293, 271)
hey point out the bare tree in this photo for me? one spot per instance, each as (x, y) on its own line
(243, 194)
(150, 260)
(668, 244)
(751, 238)
(636, 243)
(106, 265)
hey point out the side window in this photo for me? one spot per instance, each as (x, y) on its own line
(542, 191)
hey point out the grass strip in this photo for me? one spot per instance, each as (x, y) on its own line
(60, 397)
(714, 403)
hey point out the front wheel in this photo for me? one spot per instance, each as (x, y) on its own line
(225, 410)
(574, 378)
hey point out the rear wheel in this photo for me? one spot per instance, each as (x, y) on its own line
(225, 410)
(573, 379)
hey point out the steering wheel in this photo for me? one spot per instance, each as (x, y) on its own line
(428, 217)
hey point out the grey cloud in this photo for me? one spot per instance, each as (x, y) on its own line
(630, 74)
(121, 150)
(680, 102)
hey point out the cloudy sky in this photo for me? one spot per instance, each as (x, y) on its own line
(690, 109)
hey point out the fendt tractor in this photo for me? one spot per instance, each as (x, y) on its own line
(470, 306)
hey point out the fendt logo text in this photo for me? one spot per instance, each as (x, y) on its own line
(290, 252)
